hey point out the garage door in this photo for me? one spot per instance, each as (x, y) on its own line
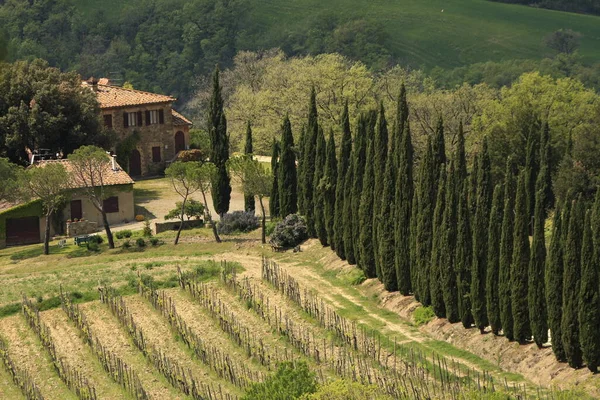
(22, 230)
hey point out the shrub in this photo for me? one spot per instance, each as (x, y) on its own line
(154, 241)
(97, 239)
(270, 226)
(423, 315)
(193, 209)
(93, 246)
(127, 244)
(290, 232)
(238, 221)
(140, 242)
(289, 382)
(147, 232)
(123, 234)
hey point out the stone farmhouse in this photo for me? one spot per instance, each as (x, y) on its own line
(161, 131)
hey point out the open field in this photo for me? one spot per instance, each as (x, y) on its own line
(429, 33)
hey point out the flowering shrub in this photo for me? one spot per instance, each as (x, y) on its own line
(290, 232)
(238, 221)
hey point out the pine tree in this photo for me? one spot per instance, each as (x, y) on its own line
(288, 180)
(571, 286)
(365, 216)
(449, 224)
(464, 254)
(437, 251)
(536, 297)
(492, 289)
(480, 239)
(219, 148)
(308, 163)
(380, 160)
(328, 187)
(520, 263)
(359, 159)
(249, 204)
(589, 299)
(403, 198)
(554, 284)
(274, 199)
(318, 195)
(342, 171)
(506, 251)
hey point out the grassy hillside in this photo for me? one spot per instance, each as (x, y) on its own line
(466, 32)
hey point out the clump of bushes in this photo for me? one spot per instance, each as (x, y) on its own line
(291, 381)
(290, 232)
(123, 234)
(423, 315)
(238, 222)
(154, 241)
(127, 244)
(140, 242)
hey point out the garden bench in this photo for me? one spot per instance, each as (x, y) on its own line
(81, 239)
(62, 243)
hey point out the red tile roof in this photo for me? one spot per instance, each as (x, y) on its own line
(115, 96)
(179, 119)
(111, 177)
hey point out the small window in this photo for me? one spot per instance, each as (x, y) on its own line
(131, 119)
(111, 205)
(161, 117)
(156, 154)
(108, 121)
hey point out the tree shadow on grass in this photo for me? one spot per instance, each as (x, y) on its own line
(145, 195)
(71, 251)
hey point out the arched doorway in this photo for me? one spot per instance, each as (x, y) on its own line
(179, 141)
(135, 163)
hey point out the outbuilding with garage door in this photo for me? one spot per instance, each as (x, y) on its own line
(21, 224)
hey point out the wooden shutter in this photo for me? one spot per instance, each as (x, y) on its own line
(161, 116)
(140, 121)
(147, 117)
(125, 120)
(156, 154)
(111, 205)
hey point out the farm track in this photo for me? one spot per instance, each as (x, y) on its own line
(158, 333)
(113, 336)
(78, 355)
(24, 346)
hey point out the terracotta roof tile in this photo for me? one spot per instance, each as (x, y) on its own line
(111, 177)
(115, 96)
(179, 119)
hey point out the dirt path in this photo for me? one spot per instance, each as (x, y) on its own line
(26, 350)
(79, 356)
(115, 339)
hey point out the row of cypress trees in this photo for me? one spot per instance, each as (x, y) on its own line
(458, 241)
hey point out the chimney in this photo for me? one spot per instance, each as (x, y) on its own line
(93, 82)
(114, 162)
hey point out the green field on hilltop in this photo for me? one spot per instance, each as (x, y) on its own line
(420, 34)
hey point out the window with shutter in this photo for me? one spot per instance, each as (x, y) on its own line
(156, 154)
(111, 205)
(161, 117)
(140, 121)
(126, 120)
(132, 119)
(148, 117)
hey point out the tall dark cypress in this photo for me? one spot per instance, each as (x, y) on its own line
(506, 251)
(318, 195)
(309, 155)
(464, 254)
(414, 264)
(274, 199)
(328, 187)
(480, 239)
(492, 289)
(589, 299)
(460, 157)
(520, 264)
(538, 315)
(554, 284)
(403, 199)
(359, 160)
(546, 168)
(439, 147)
(437, 250)
(381, 145)
(571, 286)
(365, 216)
(342, 170)
(299, 170)
(249, 204)
(288, 179)
(449, 224)
(348, 223)
(219, 154)
(532, 170)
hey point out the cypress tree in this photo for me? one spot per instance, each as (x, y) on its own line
(480, 239)
(219, 150)
(328, 186)
(449, 224)
(365, 216)
(589, 299)
(596, 221)
(318, 195)
(403, 198)
(554, 284)
(492, 290)
(532, 170)
(300, 153)
(464, 253)
(571, 286)
(414, 264)
(288, 180)
(274, 199)
(439, 148)
(309, 160)
(342, 171)
(520, 263)
(348, 222)
(380, 160)
(546, 168)
(473, 185)
(249, 204)
(359, 159)
(460, 157)
(437, 251)
(386, 232)
(506, 251)
(536, 297)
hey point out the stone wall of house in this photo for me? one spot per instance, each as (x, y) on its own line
(155, 135)
(81, 228)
